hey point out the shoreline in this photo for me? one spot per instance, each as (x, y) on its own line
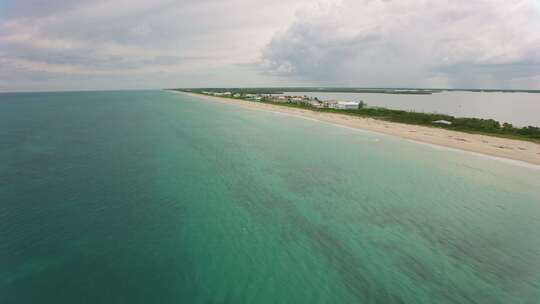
(510, 149)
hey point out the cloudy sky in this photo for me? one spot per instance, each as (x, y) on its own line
(123, 44)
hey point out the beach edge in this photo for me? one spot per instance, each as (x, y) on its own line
(504, 148)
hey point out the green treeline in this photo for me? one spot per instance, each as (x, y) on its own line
(416, 91)
(470, 125)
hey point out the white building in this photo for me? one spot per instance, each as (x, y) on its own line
(442, 121)
(346, 105)
(222, 94)
(316, 104)
(331, 104)
(279, 98)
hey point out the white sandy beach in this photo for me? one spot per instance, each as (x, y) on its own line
(493, 146)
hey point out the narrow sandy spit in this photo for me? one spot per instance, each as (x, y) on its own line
(493, 146)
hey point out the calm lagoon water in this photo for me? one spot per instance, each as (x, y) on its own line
(520, 109)
(156, 197)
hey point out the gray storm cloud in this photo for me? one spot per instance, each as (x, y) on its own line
(412, 43)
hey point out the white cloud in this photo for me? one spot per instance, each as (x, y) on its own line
(409, 43)
(163, 43)
(139, 36)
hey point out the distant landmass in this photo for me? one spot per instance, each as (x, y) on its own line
(419, 91)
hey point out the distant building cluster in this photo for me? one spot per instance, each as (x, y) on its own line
(221, 94)
(299, 100)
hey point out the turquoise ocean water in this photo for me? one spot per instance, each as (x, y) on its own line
(156, 197)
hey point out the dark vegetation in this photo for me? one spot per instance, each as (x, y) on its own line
(469, 125)
(415, 91)
(322, 90)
